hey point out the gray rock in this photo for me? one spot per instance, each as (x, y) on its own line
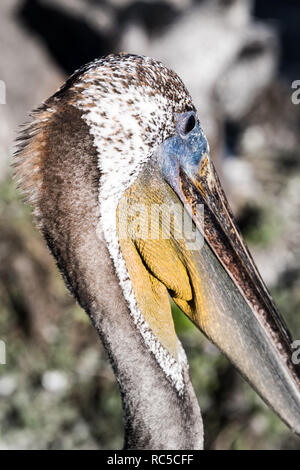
(219, 51)
(28, 73)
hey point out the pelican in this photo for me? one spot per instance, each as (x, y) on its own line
(122, 133)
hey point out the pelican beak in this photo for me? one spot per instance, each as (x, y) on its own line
(229, 301)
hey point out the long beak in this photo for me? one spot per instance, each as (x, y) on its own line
(230, 302)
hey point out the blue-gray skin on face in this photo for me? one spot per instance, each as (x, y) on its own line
(185, 148)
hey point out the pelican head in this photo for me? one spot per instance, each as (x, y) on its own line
(118, 171)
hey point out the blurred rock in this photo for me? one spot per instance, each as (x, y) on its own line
(28, 72)
(88, 364)
(285, 17)
(55, 381)
(73, 33)
(224, 57)
(8, 384)
(251, 71)
(244, 185)
(97, 14)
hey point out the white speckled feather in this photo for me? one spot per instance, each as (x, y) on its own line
(111, 117)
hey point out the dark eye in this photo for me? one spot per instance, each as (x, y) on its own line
(190, 124)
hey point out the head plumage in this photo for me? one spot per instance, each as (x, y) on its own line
(128, 102)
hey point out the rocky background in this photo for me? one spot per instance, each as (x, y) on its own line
(238, 58)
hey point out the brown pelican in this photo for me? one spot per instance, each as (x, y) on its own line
(122, 133)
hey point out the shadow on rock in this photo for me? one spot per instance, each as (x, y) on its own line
(70, 39)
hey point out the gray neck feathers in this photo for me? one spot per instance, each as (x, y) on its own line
(156, 417)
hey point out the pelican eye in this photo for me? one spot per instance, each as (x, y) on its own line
(189, 124)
